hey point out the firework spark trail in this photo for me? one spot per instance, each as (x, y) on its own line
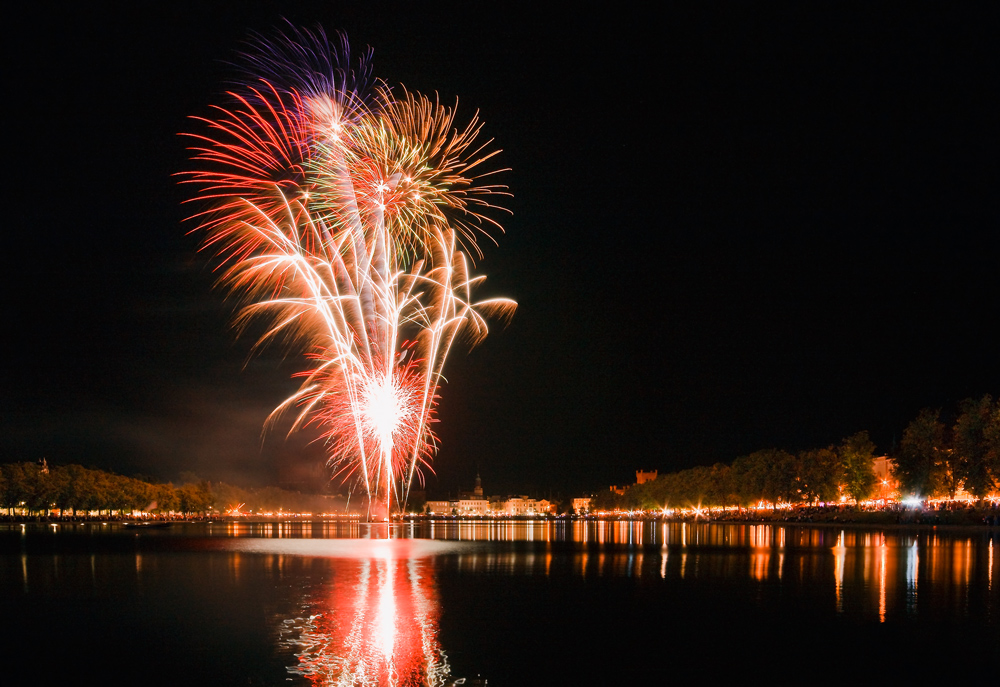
(345, 217)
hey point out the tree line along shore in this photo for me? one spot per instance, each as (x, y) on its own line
(935, 459)
(39, 490)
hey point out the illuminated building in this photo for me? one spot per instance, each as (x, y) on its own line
(474, 503)
(467, 503)
(440, 507)
(524, 505)
(473, 506)
(887, 487)
(642, 476)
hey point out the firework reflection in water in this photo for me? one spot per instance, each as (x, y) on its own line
(376, 625)
(345, 213)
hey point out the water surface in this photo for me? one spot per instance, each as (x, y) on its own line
(515, 603)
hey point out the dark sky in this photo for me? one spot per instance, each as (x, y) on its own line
(732, 229)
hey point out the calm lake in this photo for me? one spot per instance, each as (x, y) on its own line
(508, 603)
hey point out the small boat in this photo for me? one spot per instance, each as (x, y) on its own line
(148, 524)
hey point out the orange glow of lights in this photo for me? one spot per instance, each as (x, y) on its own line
(378, 625)
(839, 555)
(881, 581)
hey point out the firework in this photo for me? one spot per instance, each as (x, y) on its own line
(346, 216)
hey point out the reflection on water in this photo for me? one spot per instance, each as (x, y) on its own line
(872, 573)
(375, 624)
(379, 605)
(375, 621)
(839, 555)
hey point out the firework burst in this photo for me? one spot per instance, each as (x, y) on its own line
(345, 217)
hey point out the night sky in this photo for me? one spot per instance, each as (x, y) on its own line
(732, 230)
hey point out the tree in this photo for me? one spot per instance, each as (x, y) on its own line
(89, 487)
(698, 486)
(767, 474)
(748, 478)
(165, 496)
(819, 474)
(719, 489)
(69, 498)
(992, 436)
(972, 439)
(921, 450)
(227, 496)
(54, 486)
(606, 500)
(195, 498)
(780, 482)
(857, 459)
(641, 496)
(36, 496)
(17, 477)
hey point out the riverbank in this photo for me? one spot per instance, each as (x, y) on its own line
(948, 515)
(987, 516)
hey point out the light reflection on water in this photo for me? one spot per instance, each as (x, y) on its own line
(375, 624)
(871, 573)
(876, 575)
(871, 558)
(371, 609)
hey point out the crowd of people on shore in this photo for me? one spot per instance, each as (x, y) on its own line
(965, 513)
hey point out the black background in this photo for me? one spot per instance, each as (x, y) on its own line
(733, 228)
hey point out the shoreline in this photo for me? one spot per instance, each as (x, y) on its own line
(848, 523)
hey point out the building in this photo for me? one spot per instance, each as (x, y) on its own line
(440, 507)
(643, 476)
(467, 503)
(473, 503)
(524, 505)
(887, 486)
(581, 505)
(472, 506)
